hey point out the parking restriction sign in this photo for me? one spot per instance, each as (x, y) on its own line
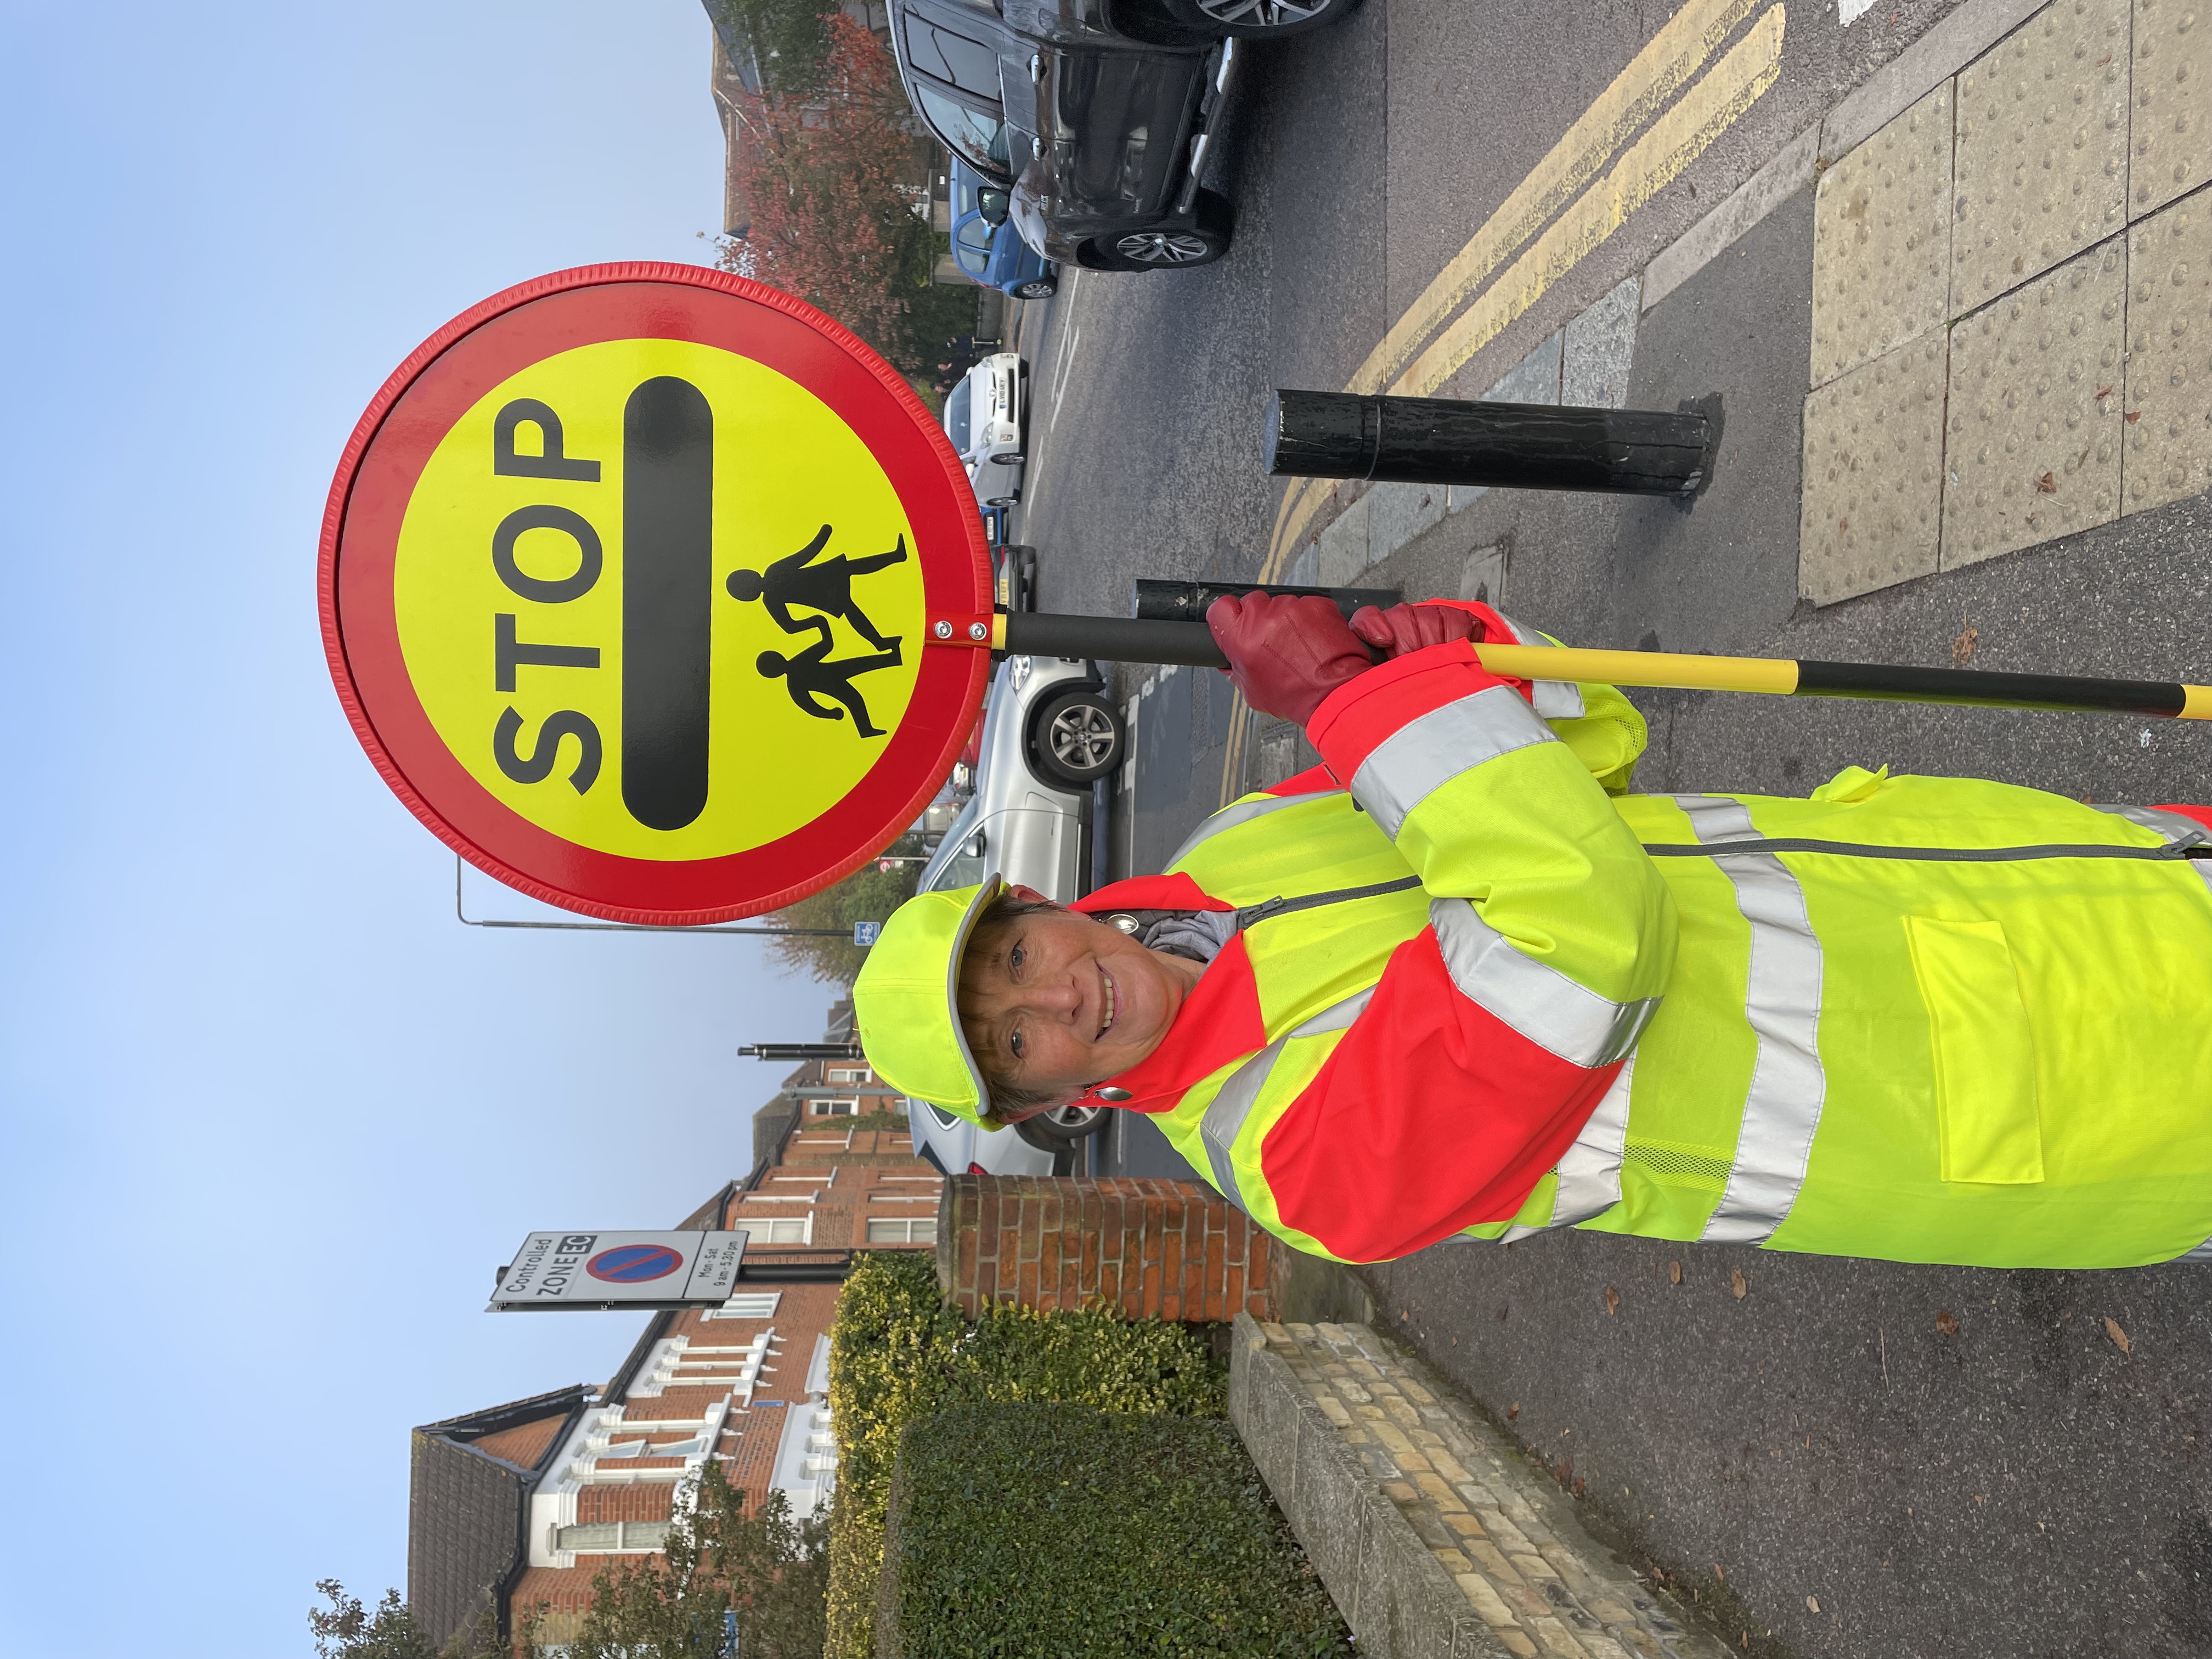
(625, 577)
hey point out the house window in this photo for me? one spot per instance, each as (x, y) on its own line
(751, 1305)
(597, 1536)
(837, 1108)
(788, 1231)
(902, 1230)
(692, 1446)
(848, 1074)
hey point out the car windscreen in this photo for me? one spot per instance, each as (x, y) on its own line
(956, 416)
(945, 870)
(978, 138)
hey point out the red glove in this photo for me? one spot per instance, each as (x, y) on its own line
(1286, 654)
(1405, 627)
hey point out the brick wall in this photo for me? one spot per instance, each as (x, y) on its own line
(1167, 1249)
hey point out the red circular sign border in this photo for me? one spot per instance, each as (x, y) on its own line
(640, 891)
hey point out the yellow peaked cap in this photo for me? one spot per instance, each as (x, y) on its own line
(906, 1000)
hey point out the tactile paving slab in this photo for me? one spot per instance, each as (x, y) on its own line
(1881, 240)
(2041, 161)
(1872, 501)
(2170, 129)
(2033, 420)
(2168, 419)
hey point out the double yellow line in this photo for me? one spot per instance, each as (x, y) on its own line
(1523, 249)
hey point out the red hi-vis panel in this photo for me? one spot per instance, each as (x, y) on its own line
(625, 574)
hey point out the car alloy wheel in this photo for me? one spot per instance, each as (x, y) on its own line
(1040, 290)
(1261, 17)
(1166, 247)
(1049, 1131)
(1078, 739)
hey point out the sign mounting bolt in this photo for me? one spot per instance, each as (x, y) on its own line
(943, 630)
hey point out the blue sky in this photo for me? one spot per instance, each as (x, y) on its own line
(272, 1117)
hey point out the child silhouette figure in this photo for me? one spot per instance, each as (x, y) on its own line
(826, 586)
(810, 676)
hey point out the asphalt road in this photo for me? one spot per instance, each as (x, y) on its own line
(1850, 1458)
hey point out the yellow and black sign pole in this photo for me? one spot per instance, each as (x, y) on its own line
(1113, 639)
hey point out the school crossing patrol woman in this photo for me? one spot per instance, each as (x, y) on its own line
(1457, 981)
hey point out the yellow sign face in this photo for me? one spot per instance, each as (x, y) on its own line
(729, 524)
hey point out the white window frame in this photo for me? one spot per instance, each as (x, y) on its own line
(910, 1223)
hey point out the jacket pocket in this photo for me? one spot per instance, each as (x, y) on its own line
(1984, 1052)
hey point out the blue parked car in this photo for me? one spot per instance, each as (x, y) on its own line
(985, 246)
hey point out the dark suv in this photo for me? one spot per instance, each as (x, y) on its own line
(1095, 115)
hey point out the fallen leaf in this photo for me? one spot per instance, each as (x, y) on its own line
(2046, 485)
(1813, 1602)
(2105, 59)
(1737, 1288)
(1404, 1316)
(1454, 1342)
(1612, 1299)
(1962, 648)
(2119, 1337)
(1513, 1410)
(1947, 1322)
(1843, 524)
(2132, 416)
(2104, 393)
(1720, 1573)
(1674, 1272)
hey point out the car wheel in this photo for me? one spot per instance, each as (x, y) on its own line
(1010, 457)
(1051, 1131)
(1042, 288)
(1262, 19)
(1168, 248)
(1078, 738)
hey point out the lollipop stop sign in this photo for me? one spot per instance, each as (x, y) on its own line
(655, 593)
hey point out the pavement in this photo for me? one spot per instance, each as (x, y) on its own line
(1943, 274)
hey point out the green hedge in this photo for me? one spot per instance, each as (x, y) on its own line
(897, 1353)
(1063, 1531)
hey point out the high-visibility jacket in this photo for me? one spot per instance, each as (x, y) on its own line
(1921, 1019)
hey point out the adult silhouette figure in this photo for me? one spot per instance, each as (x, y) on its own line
(826, 586)
(810, 676)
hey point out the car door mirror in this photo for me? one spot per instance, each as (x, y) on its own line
(991, 205)
(977, 844)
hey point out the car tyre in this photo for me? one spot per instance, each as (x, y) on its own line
(1054, 1130)
(1077, 738)
(1260, 20)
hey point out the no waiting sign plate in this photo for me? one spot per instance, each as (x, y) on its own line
(599, 1270)
(625, 578)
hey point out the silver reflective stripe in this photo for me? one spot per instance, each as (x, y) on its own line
(2177, 830)
(1230, 817)
(1423, 755)
(2202, 1253)
(1224, 1116)
(1589, 1171)
(1555, 700)
(1536, 1000)
(2204, 869)
(1782, 1004)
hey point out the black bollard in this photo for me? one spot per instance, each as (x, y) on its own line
(1440, 441)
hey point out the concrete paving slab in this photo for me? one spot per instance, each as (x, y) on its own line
(1483, 578)
(1534, 379)
(1881, 240)
(1598, 348)
(2169, 139)
(1873, 509)
(1343, 547)
(2032, 450)
(2041, 154)
(1396, 513)
(2168, 418)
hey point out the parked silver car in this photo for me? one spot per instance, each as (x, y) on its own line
(1050, 732)
(984, 416)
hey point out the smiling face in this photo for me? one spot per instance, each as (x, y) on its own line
(1054, 1001)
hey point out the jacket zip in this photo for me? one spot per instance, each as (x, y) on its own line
(1270, 909)
(1921, 855)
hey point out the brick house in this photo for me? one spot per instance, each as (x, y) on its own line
(523, 1505)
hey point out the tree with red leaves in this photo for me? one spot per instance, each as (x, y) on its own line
(829, 172)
